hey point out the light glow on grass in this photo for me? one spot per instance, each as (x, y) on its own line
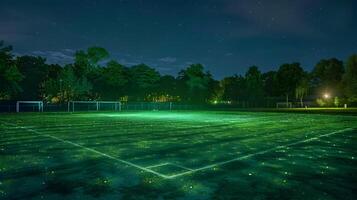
(207, 146)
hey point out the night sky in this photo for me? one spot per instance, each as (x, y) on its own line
(226, 36)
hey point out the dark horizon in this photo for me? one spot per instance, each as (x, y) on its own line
(225, 36)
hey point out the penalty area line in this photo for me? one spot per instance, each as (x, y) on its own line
(89, 149)
(257, 153)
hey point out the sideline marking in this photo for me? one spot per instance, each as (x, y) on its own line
(90, 149)
(258, 153)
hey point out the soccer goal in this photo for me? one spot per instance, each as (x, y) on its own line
(30, 106)
(284, 105)
(93, 106)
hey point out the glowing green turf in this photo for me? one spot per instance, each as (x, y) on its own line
(177, 155)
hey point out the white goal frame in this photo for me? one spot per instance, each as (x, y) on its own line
(71, 107)
(39, 104)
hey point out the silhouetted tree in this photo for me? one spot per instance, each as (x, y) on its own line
(67, 87)
(270, 84)
(113, 81)
(327, 76)
(142, 80)
(35, 71)
(166, 90)
(254, 85)
(301, 90)
(288, 78)
(10, 76)
(350, 78)
(234, 88)
(87, 61)
(195, 84)
(90, 78)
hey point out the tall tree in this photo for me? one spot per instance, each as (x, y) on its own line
(288, 78)
(270, 84)
(196, 84)
(35, 71)
(143, 80)
(67, 87)
(166, 89)
(350, 78)
(254, 85)
(234, 88)
(301, 90)
(10, 76)
(113, 81)
(327, 76)
(86, 62)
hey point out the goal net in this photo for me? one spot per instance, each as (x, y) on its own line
(93, 106)
(284, 105)
(29, 106)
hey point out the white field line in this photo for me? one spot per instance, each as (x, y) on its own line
(257, 153)
(183, 167)
(91, 150)
(158, 165)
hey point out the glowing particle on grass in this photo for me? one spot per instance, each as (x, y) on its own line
(353, 158)
(285, 172)
(250, 174)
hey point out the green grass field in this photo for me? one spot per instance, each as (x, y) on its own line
(178, 155)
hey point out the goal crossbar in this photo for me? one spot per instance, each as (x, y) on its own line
(38, 103)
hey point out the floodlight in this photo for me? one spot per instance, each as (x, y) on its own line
(326, 95)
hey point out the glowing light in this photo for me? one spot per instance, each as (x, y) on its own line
(326, 95)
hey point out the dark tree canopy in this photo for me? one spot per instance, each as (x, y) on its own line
(92, 76)
(327, 75)
(10, 76)
(350, 78)
(288, 78)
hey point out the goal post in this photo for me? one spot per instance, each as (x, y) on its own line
(73, 106)
(38, 104)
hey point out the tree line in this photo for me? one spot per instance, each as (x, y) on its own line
(92, 77)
